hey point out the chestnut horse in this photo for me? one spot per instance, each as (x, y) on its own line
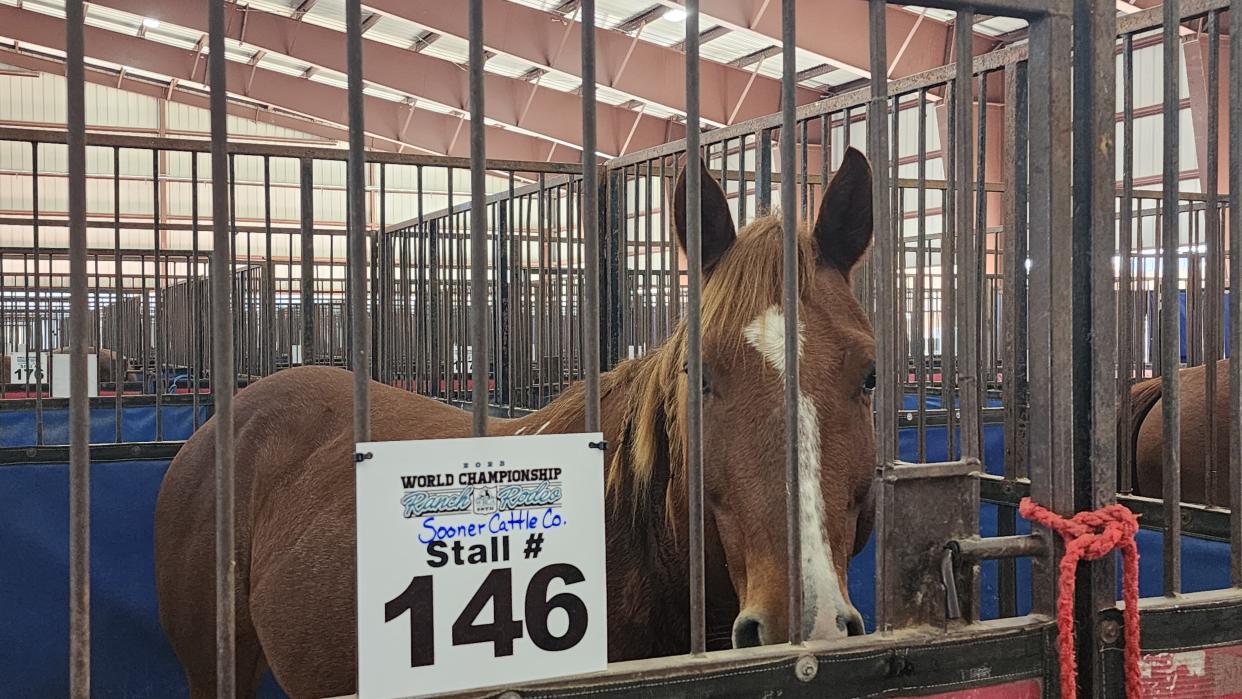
(1146, 432)
(295, 478)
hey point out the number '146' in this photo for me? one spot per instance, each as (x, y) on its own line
(417, 600)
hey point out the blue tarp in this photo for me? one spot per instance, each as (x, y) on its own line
(132, 658)
(18, 429)
(1224, 309)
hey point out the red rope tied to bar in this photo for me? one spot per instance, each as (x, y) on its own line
(1088, 536)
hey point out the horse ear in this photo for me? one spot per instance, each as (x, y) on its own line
(843, 228)
(717, 234)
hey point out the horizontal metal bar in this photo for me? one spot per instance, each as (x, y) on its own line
(654, 671)
(1027, 9)
(943, 469)
(278, 151)
(100, 453)
(989, 548)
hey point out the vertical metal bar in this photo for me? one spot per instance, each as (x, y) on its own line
(763, 174)
(1013, 288)
(1170, 349)
(1235, 303)
(42, 373)
(922, 260)
(306, 259)
(222, 358)
(1214, 254)
(1092, 423)
(694, 341)
(478, 223)
(159, 334)
(269, 275)
(789, 225)
(355, 183)
(968, 373)
(1047, 212)
(948, 280)
(590, 219)
(1125, 456)
(118, 345)
(79, 415)
(887, 398)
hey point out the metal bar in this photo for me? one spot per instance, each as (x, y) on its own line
(355, 183)
(694, 342)
(42, 373)
(1215, 254)
(968, 374)
(922, 260)
(118, 286)
(79, 412)
(222, 360)
(998, 547)
(1235, 303)
(159, 334)
(1170, 350)
(269, 276)
(1092, 423)
(1125, 456)
(763, 175)
(306, 259)
(887, 398)
(590, 219)
(789, 224)
(1047, 211)
(239, 147)
(478, 222)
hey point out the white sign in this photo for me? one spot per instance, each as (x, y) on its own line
(61, 371)
(480, 562)
(29, 369)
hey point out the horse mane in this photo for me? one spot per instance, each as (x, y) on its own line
(649, 456)
(1143, 397)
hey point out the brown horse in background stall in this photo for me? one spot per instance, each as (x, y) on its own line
(295, 480)
(1146, 435)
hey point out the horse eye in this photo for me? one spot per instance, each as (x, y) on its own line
(869, 382)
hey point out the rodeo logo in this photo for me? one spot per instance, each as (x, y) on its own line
(480, 500)
(484, 500)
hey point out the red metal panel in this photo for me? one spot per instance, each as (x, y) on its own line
(1023, 689)
(1191, 674)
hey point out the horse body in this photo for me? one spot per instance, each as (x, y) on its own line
(294, 529)
(1147, 432)
(294, 489)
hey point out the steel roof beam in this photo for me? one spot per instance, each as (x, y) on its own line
(192, 98)
(654, 73)
(836, 32)
(432, 133)
(550, 112)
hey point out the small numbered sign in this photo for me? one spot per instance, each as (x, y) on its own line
(480, 562)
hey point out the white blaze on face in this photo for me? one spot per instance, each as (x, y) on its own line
(823, 598)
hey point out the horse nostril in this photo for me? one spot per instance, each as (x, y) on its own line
(851, 623)
(746, 632)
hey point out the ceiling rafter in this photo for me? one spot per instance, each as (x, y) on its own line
(705, 36)
(175, 92)
(551, 113)
(840, 36)
(303, 7)
(637, 21)
(310, 99)
(530, 36)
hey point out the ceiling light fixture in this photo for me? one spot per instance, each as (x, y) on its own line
(674, 14)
